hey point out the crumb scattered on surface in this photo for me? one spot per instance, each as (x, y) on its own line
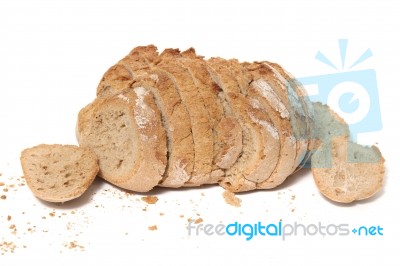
(13, 229)
(153, 228)
(231, 198)
(3, 197)
(198, 220)
(293, 197)
(2, 184)
(74, 245)
(9, 217)
(7, 247)
(150, 199)
(162, 214)
(52, 214)
(181, 216)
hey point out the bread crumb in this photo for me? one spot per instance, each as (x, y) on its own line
(7, 247)
(52, 214)
(181, 216)
(13, 229)
(150, 199)
(162, 214)
(293, 197)
(9, 218)
(153, 228)
(231, 198)
(74, 245)
(5, 189)
(197, 221)
(2, 184)
(3, 197)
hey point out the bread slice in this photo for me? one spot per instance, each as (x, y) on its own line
(226, 130)
(58, 173)
(170, 61)
(126, 133)
(348, 171)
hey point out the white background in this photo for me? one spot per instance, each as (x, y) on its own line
(52, 56)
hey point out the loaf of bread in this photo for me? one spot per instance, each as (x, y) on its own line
(174, 119)
(58, 173)
(242, 125)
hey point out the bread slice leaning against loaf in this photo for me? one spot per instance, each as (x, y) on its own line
(348, 171)
(126, 133)
(58, 173)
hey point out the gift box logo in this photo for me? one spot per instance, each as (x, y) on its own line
(353, 94)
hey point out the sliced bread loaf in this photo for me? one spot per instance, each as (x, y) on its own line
(348, 171)
(59, 173)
